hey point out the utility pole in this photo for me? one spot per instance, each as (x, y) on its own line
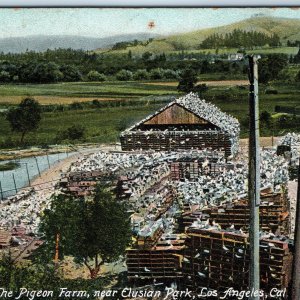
(296, 263)
(254, 178)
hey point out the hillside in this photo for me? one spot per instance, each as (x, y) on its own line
(42, 42)
(286, 29)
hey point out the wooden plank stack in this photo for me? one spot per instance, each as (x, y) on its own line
(161, 261)
(219, 260)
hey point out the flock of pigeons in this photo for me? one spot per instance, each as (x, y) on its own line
(24, 210)
(224, 186)
(145, 169)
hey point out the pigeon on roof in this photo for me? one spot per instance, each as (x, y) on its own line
(202, 109)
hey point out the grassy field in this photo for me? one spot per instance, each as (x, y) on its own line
(66, 93)
(139, 50)
(104, 124)
(61, 92)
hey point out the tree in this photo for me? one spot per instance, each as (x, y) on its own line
(187, 81)
(75, 132)
(146, 56)
(94, 231)
(70, 73)
(124, 75)
(96, 76)
(25, 118)
(4, 76)
(270, 67)
(265, 118)
(46, 73)
(200, 89)
(297, 78)
(141, 74)
(157, 73)
(170, 74)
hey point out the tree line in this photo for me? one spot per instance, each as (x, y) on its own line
(67, 65)
(240, 38)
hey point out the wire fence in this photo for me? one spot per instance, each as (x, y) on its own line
(11, 182)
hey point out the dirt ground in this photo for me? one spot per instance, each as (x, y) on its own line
(264, 141)
(8, 154)
(47, 100)
(207, 82)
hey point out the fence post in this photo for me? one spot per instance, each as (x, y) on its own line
(28, 177)
(13, 175)
(2, 198)
(48, 160)
(37, 165)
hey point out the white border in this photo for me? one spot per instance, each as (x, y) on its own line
(148, 3)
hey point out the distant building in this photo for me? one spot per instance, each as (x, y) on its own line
(235, 57)
(186, 123)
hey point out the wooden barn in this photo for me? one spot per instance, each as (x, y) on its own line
(186, 123)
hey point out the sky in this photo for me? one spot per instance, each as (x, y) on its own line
(103, 22)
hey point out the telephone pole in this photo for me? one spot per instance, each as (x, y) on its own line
(254, 178)
(296, 263)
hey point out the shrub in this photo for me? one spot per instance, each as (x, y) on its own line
(75, 132)
(271, 92)
(157, 73)
(96, 76)
(124, 75)
(4, 76)
(76, 105)
(170, 74)
(141, 74)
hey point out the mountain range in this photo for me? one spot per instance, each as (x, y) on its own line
(43, 42)
(285, 28)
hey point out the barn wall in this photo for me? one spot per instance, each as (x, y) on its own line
(176, 140)
(175, 114)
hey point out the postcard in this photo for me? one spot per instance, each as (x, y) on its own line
(149, 153)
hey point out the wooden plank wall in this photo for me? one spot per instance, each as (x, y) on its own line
(176, 140)
(175, 115)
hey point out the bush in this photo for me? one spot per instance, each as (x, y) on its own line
(141, 74)
(96, 76)
(70, 73)
(170, 74)
(271, 92)
(96, 103)
(4, 76)
(124, 123)
(124, 75)
(157, 73)
(76, 105)
(75, 132)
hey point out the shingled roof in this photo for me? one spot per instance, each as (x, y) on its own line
(202, 109)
